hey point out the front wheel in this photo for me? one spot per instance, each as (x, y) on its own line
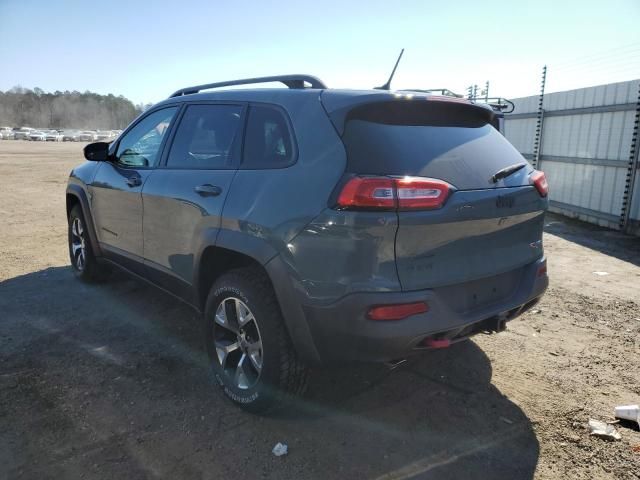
(250, 352)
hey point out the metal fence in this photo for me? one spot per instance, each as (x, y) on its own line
(586, 141)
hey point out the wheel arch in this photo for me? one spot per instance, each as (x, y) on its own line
(214, 262)
(240, 251)
(77, 196)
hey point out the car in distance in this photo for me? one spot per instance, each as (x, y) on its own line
(102, 135)
(87, 136)
(53, 136)
(22, 133)
(6, 133)
(70, 136)
(37, 136)
(315, 226)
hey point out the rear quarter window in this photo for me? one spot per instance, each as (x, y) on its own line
(268, 142)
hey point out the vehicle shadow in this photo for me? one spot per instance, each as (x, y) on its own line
(604, 240)
(111, 380)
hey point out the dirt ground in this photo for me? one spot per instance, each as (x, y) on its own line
(110, 381)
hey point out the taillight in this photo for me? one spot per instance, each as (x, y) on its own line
(539, 180)
(391, 193)
(368, 192)
(397, 312)
(415, 192)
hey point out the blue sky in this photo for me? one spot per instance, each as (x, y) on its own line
(146, 50)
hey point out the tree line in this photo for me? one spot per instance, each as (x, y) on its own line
(22, 107)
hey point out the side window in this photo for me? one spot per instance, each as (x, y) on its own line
(140, 146)
(205, 137)
(267, 142)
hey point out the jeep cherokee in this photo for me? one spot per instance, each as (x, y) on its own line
(313, 225)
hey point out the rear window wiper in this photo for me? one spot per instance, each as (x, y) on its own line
(506, 171)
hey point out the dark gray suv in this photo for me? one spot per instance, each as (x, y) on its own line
(314, 226)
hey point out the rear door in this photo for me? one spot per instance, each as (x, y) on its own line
(486, 226)
(116, 202)
(183, 198)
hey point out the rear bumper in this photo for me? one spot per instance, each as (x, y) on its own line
(341, 331)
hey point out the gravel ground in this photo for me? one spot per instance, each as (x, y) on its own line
(111, 381)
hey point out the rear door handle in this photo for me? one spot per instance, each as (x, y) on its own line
(208, 190)
(134, 181)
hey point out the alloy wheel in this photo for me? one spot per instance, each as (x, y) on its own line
(78, 247)
(237, 342)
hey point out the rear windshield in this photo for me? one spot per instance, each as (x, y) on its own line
(461, 149)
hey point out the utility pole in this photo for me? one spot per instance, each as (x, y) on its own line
(632, 169)
(537, 143)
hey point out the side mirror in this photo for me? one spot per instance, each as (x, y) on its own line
(97, 152)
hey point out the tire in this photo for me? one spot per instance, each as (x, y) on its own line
(271, 371)
(84, 264)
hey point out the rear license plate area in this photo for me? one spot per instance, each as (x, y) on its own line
(476, 294)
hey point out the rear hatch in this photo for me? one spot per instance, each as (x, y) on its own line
(481, 226)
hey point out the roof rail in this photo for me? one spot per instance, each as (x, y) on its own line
(291, 81)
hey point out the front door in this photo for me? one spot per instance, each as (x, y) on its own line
(116, 200)
(183, 197)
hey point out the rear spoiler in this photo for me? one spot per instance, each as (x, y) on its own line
(407, 108)
(497, 104)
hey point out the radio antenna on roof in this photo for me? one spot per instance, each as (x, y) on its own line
(387, 86)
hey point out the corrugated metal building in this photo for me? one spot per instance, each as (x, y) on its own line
(588, 149)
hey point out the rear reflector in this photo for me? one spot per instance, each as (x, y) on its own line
(539, 180)
(436, 342)
(542, 270)
(397, 312)
(390, 193)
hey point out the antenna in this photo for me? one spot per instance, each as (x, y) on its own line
(387, 86)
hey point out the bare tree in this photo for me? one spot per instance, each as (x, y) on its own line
(24, 107)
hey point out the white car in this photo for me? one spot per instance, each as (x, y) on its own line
(22, 133)
(71, 136)
(53, 136)
(104, 135)
(37, 136)
(88, 136)
(6, 133)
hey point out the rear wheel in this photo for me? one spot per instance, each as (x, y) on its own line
(251, 355)
(83, 261)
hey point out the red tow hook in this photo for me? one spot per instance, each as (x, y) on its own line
(436, 342)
